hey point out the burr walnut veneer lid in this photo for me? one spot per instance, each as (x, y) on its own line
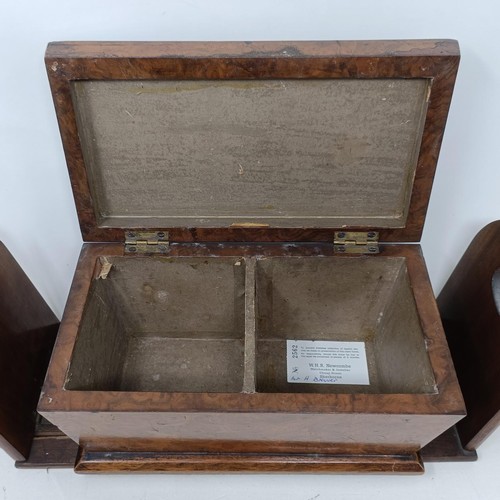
(263, 141)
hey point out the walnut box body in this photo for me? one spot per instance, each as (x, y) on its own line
(248, 162)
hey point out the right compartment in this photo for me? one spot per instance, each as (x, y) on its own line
(344, 299)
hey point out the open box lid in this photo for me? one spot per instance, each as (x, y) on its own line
(263, 141)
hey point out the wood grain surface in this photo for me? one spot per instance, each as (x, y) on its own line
(27, 332)
(472, 323)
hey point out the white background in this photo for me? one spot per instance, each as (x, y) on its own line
(38, 221)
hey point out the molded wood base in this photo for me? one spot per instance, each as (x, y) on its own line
(116, 462)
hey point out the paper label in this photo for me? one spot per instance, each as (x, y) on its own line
(326, 362)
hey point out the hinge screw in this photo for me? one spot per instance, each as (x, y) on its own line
(161, 234)
(341, 235)
(131, 235)
(371, 234)
(340, 249)
(372, 249)
(132, 249)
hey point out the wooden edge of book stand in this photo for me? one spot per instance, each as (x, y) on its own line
(50, 448)
(447, 448)
(50, 452)
(28, 329)
(471, 319)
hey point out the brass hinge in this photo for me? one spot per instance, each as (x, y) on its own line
(356, 242)
(146, 242)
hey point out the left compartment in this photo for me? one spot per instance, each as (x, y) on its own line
(162, 325)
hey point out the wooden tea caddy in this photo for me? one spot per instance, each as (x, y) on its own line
(233, 196)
